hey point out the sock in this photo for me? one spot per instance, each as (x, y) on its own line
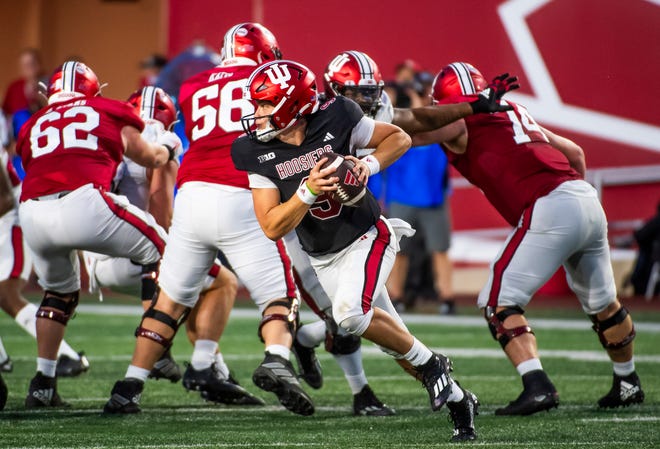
(135, 372)
(623, 369)
(223, 369)
(351, 364)
(456, 394)
(280, 350)
(27, 319)
(67, 350)
(311, 335)
(529, 365)
(203, 355)
(46, 366)
(3, 353)
(418, 354)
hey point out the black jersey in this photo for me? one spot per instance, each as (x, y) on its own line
(328, 226)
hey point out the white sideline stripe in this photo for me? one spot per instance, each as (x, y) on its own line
(464, 321)
(628, 419)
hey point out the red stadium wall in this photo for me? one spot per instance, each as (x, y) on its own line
(588, 69)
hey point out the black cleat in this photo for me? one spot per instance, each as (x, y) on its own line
(214, 388)
(437, 380)
(276, 374)
(538, 394)
(166, 368)
(462, 414)
(308, 365)
(365, 403)
(3, 393)
(625, 391)
(125, 397)
(43, 393)
(7, 366)
(68, 367)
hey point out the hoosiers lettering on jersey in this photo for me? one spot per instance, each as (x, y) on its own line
(301, 163)
(329, 226)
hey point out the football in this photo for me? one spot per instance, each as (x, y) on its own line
(349, 189)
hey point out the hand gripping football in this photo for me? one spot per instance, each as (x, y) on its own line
(349, 189)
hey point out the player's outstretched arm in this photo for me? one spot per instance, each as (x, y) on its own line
(428, 118)
(147, 154)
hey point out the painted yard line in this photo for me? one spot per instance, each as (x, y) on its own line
(467, 321)
(626, 419)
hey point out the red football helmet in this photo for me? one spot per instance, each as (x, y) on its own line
(153, 103)
(290, 87)
(250, 40)
(72, 79)
(355, 75)
(456, 79)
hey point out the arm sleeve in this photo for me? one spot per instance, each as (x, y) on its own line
(260, 182)
(361, 134)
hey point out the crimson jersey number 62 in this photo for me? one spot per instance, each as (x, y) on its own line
(44, 139)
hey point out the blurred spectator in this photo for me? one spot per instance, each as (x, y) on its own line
(416, 190)
(404, 89)
(193, 60)
(23, 93)
(150, 69)
(648, 241)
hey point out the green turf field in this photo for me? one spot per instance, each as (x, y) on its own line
(172, 418)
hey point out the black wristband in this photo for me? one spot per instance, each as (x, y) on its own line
(171, 151)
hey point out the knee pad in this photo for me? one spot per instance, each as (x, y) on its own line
(164, 318)
(291, 319)
(63, 309)
(496, 324)
(341, 344)
(356, 324)
(149, 280)
(601, 326)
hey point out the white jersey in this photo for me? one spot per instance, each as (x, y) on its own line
(132, 182)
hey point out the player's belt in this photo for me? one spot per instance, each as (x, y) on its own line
(52, 196)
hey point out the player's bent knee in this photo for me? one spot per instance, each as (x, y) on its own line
(496, 324)
(356, 324)
(290, 319)
(624, 329)
(57, 306)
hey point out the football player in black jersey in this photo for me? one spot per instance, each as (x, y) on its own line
(352, 249)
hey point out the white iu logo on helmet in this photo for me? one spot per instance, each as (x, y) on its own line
(279, 74)
(337, 63)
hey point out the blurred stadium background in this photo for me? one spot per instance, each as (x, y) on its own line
(588, 69)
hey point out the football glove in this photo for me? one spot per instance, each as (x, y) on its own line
(488, 100)
(172, 142)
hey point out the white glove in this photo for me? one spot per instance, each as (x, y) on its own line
(173, 141)
(152, 129)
